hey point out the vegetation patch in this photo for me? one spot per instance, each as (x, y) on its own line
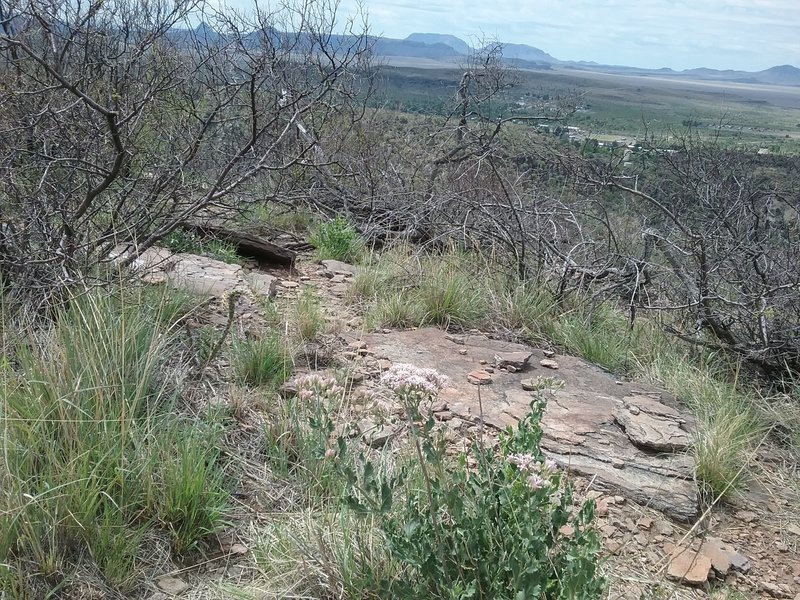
(338, 240)
(96, 459)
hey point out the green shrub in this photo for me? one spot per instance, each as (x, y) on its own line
(259, 361)
(338, 240)
(299, 436)
(490, 532)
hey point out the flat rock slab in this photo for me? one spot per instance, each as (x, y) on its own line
(650, 424)
(198, 274)
(337, 267)
(581, 431)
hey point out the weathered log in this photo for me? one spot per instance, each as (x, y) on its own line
(246, 244)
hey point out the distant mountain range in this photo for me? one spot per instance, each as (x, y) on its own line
(449, 48)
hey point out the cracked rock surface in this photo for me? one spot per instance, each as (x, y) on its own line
(629, 437)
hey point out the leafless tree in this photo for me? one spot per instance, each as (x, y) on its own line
(120, 120)
(719, 243)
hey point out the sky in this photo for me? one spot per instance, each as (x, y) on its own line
(723, 34)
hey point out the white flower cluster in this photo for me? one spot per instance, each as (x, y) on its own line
(536, 471)
(404, 380)
(313, 385)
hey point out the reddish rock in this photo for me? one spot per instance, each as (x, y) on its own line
(688, 566)
(579, 429)
(479, 377)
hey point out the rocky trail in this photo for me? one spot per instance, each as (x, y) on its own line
(625, 442)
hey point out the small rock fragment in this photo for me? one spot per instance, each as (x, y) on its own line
(337, 267)
(608, 530)
(479, 377)
(688, 566)
(289, 285)
(375, 435)
(172, 585)
(663, 528)
(548, 363)
(548, 353)
(617, 463)
(747, 516)
(462, 351)
(518, 360)
(566, 530)
(773, 589)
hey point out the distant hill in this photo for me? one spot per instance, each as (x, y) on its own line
(450, 49)
(455, 43)
(781, 75)
(527, 53)
(393, 47)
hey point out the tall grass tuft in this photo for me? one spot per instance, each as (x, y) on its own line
(87, 421)
(451, 298)
(308, 315)
(263, 360)
(728, 426)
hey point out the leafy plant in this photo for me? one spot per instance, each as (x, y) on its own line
(496, 531)
(338, 240)
(299, 435)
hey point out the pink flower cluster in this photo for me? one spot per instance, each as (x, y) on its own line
(313, 385)
(405, 380)
(536, 471)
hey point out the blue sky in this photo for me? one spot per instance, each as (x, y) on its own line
(734, 34)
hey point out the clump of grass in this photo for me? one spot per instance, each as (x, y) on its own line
(523, 307)
(181, 240)
(728, 427)
(309, 318)
(224, 251)
(602, 336)
(262, 360)
(450, 298)
(338, 240)
(396, 310)
(321, 554)
(88, 420)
